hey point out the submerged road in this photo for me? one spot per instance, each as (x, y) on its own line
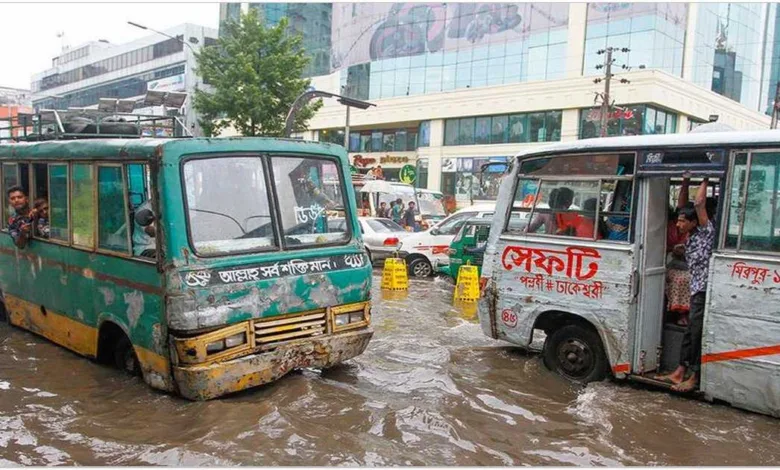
(430, 390)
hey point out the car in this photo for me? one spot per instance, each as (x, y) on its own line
(381, 237)
(469, 244)
(424, 250)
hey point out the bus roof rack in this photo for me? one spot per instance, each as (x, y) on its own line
(81, 123)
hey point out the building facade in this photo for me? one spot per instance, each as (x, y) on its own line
(12, 102)
(457, 85)
(80, 76)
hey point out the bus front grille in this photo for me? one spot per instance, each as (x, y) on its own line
(275, 329)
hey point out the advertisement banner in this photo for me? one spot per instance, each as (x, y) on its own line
(174, 83)
(364, 32)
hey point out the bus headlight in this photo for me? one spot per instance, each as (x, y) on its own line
(346, 317)
(226, 343)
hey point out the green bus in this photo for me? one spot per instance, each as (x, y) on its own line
(240, 281)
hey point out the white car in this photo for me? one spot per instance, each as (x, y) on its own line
(423, 250)
(381, 237)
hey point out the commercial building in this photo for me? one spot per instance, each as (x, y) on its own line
(80, 76)
(460, 84)
(12, 102)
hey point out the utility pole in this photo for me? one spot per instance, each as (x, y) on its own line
(606, 101)
(775, 107)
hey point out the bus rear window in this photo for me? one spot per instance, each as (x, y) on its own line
(227, 205)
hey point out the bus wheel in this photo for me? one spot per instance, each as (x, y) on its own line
(124, 357)
(420, 267)
(575, 353)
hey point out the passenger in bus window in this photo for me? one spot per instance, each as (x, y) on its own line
(41, 206)
(701, 238)
(564, 221)
(144, 231)
(548, 220)
(20, 224)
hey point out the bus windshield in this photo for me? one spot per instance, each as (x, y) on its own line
(431, 204)
(229, 210)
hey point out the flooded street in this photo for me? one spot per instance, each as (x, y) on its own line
(430, 390)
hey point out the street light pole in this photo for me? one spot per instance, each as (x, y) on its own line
(140, 26)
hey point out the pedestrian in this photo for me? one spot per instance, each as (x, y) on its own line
(694, 222)
(382, 211)
(408, 220)
(397, 211)
(20, 224)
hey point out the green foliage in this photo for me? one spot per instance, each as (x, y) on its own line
(255, 73)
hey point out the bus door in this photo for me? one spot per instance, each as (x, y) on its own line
(650, 274)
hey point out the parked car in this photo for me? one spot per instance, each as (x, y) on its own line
(381, 237)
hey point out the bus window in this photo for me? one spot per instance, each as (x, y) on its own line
(40, 181)
(227, 206)
(304, 202)
(589, 209)
(10, 179)
(58, 203)
(759, 228)
(83, 205)
(112, 210)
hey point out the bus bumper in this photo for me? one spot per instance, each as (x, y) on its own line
(207, 381)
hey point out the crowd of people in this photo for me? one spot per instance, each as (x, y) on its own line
(405, 217)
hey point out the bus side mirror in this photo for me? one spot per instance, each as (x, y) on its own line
(144, 217)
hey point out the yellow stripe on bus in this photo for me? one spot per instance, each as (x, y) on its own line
(53, 326)
(71, 334)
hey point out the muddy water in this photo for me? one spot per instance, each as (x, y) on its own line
(430, 390)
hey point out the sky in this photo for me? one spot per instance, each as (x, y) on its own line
(28, 31)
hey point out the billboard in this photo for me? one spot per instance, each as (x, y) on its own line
(364, 32)
(174, 83)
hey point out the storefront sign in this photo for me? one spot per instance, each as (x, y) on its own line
(362, 162)
(594, 115)
(408, 174)
(387, 159)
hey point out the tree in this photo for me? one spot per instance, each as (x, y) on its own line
(255, 73)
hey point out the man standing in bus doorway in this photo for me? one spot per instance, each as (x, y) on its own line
(695, 222)
(20, 224)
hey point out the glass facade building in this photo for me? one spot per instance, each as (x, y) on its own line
(461, 84)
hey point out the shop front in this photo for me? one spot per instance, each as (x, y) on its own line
(460, 179)
(389, 164)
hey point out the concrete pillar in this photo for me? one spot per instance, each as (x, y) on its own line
(434, 154)
(575, 52)
(690, 40)
(682, 124)
(570, 125)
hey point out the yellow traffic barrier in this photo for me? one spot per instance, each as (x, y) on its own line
(467, 287)
(394, 275)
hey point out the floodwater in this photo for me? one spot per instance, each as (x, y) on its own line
(430, 390)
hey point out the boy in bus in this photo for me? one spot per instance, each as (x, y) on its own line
(41, 206)
(696, 223)
(20, 224)
(382, 211)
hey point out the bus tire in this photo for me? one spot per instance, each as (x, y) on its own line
(576, 353)
(125, 358)
(420, 267)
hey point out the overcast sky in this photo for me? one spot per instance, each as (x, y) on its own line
(28, 31)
